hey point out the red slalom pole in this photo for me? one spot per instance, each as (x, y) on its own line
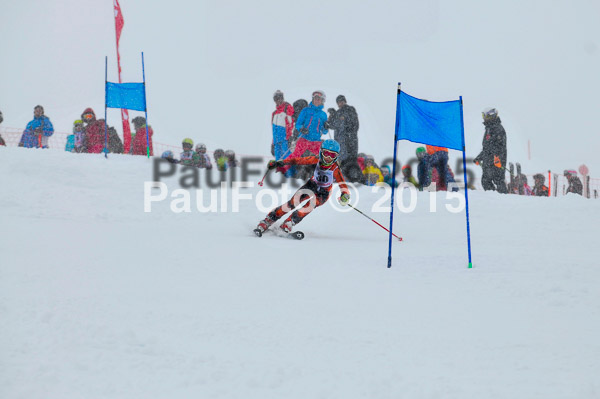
(260, 183)
(374, 221)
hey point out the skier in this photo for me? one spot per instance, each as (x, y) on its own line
(316, 190)
(493, 155)
(220, 159)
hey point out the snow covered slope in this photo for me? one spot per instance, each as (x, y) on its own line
(100, 299)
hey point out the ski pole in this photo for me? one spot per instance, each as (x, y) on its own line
(374, 221)
(260, 183)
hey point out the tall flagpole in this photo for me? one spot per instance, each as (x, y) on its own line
(394, 178)
(462, 126)
(105, 107)
(145, 108)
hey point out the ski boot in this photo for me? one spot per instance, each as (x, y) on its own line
(263, 226)
(287, 226)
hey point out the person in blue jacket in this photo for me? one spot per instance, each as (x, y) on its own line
(38, 131)
(311, 125)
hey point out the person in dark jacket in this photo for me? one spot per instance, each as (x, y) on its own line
(539, 189)
(575, 185)
(493, 155)
(115, 145)
(344, 123)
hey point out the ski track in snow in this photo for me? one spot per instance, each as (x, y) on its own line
(101, 300)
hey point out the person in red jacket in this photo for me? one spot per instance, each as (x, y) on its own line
(94, 133)
(138, 147)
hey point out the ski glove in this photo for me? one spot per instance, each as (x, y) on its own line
(304, 130)
(275, 164)
(344, 198)
(497, 162)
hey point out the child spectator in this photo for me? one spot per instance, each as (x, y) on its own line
(188, 157)
(408, 176)
(220, 159)
(231, 161)
(387, 175)
(539, 189)
(203, 158)
(372, 173)
(168, 155)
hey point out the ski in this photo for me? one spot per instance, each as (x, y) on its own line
(296, 235)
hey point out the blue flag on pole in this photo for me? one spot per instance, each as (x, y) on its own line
(126, 95)
(426, 122)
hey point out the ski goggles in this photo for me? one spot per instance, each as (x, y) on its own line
(88, 116)
(329, 154)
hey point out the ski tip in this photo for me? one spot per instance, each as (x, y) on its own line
(298, 235)
(258, 232)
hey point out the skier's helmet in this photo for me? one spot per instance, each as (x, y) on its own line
(167, 154)
(188, 142)
(319, 94)
(329, 152)
(201, 148)
(421, 151)
(489, 113)
(230, 154)
(406, 170)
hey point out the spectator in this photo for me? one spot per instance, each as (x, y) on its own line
(539, 189)
(168, 155)
(95, 130)
(372, 173)
(70, 144)
(344, 122)
(493, 155)
(2, 142)
(437, 157)
(283, 126)
(37, 131)
(188, 157)
(78, 133)
(387, 175)
(575, 185)
(231, 161)
(361, 161)
(311, 125)
(422, 171)
(220, 159)
(140, 142)
(407, 176)
(115, 145)
(203, 158)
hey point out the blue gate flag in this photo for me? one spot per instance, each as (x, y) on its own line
(126, 95)
(425, 122)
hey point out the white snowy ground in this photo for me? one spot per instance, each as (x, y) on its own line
(99, 299)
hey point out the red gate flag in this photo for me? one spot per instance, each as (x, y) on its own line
(119, 23)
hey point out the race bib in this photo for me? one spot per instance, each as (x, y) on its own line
(323, 177)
